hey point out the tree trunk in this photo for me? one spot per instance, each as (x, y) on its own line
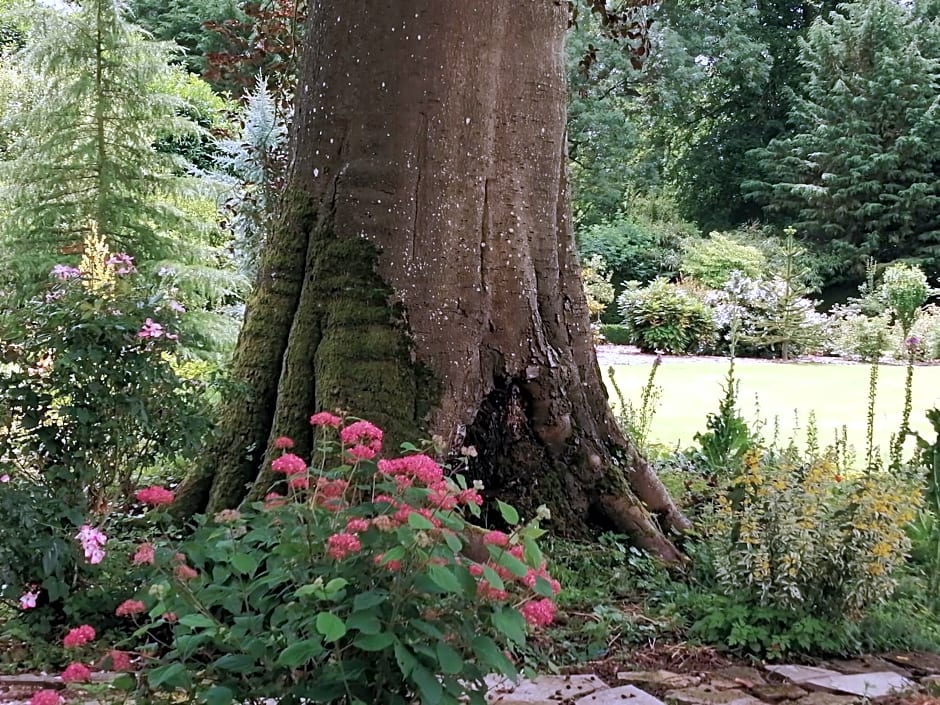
(424, 274)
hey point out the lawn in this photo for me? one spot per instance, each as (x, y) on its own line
(787, 392)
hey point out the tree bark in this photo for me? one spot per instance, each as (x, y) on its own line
(424, 275)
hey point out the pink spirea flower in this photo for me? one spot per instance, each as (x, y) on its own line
(289, 464)
(129, 608)
(299, 482)
(331, 489)
(273, 499)
(361, 452)
(420, 467)
(496, 538)
(45, 697)
(64, 271)
(533, 575)
(476, 570)
(92, 542)
(185, 572)
(76, 673)
(341, 545)
(362, 433)
(143, 555)
(539, 613)
(79, 636)
(4, 478)
(28, 600)
(155, 496)
(122, 262)
(120, 660)
(151, 329)
(283, 443)
(325, 418)
(357, 526)
(470, 496)
(485, 591)
(392, 565)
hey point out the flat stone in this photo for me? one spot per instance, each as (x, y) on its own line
(865, 664)
(705, 695)
(801, 674)
(821, 698)
(775, 692)
(623, 695)
(916, 660)
(931, 682)
(544, 690)
(869, 685)
(32, 679)
(742, 676)
(662, 678)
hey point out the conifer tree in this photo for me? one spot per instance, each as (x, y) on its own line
(85, 149)
(858, 167)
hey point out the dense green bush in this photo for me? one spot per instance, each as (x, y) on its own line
(712, 260)
(664, 317)
(353, 586)
(616, 334)
(90, 395)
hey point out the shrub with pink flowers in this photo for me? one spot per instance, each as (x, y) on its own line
(90, 395)
(362, 583)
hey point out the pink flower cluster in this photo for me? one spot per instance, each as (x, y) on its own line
(338, 546)
(289, 464)
(144, 554)
(325, 418)
(45, 697)
(28, 600)
(79, 636)
(76, 673)
(155, 496)
(129, 608)
(122, 262)
(539, 613)
(92, 542)
(363, 438)
(152, 329)
(62, 272)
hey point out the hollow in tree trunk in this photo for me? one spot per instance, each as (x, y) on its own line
(424, 275)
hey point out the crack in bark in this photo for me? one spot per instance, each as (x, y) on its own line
(421, 143)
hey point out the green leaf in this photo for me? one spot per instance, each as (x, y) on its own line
(449, 658)
(445, 578)
(125, 681)
(196, 621)
(543, 587)
(237, 663)
(364, 622)
(492, 656)
(244, 563)
(508, 512)
(512, 564)
(532, 553)
(453, 543)
(173, 675)
(429, 686)
(374, 642)
(218, 695)
(366, 600)
(492, 577)
(336, 584)
(511, 623)
(330, 626)
(406, 660)
(299, 653)
(419, 522)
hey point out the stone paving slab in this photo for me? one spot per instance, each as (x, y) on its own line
(823, 698)
(706, 695)
(544, 690)
(870, 685)
(801, 674)
(918, 661)
(742, 676)
(666, 679)
(775, 692)
(623, 695)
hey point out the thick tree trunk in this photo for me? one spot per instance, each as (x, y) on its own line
(439, 293)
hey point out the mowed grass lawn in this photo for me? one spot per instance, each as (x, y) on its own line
(691, 389)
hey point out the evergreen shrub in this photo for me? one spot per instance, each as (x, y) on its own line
(664, 317)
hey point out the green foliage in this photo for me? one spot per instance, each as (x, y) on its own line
(802, 535)
(664, 317)
(597, 287)
(925, 533)
(353, 588)
(904, 290)
(616, 334)
(728, 435)
(712, 260)
(637, 420)
(856, 170)
(90, 397)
